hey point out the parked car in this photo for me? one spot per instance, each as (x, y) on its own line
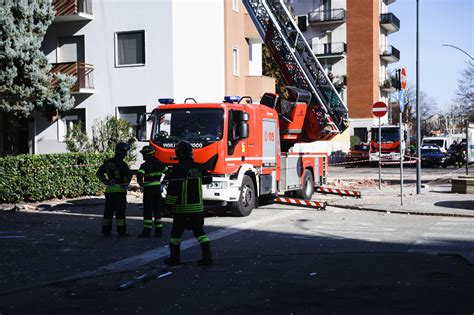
(433, 155)
(359, 152)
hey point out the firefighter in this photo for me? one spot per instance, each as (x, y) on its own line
(184, 198)
(116, 174)
(149, 177)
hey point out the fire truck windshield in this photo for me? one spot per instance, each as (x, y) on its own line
(388, 134)
(200, 126)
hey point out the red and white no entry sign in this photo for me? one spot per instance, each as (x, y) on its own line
(379, 109)
(403, 78)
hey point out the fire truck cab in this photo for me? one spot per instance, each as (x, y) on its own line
(239, 143)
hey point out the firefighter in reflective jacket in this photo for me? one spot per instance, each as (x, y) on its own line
(116, 174)
(184, 199)
(149, 177)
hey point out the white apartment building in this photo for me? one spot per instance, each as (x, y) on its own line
(127, 54)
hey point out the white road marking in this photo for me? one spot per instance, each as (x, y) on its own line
(85, 214)
(460, 237)
(161, 252)
(11, 236)
(451, 235)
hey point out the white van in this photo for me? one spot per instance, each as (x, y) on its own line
(442, 142)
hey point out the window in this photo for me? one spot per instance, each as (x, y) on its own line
(69, 120)
(361, 133)
(130, 48)
(235, 61)
(235, 5)
(70, 49)
(133, 115)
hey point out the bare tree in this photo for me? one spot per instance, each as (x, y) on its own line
(428, 110)
(465, 91)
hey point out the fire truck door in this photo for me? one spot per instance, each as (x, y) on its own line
(269, 156)
(269, 142)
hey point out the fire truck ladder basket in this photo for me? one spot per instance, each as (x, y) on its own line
(297, 62)
(301, 203)
(340, 192)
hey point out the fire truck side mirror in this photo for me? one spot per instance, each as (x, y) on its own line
(243, 130)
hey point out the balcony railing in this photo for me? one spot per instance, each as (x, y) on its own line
(340, 81)
(72, 10)
(327, 16)
(330, 49)
(388, 85)
(390, 53)
(390, 22)
(83, 73)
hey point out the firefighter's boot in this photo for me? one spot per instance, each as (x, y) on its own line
(174, 258)
(158, 228)
(146, 233)
(206, 255)
(158, 231)
(106, 227)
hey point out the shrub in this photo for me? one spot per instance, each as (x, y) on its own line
(106, 133)
(48, 176)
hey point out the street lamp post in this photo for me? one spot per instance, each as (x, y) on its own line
(455, 47)
(418, 118)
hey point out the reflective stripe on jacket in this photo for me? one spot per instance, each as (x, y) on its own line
(185, 187)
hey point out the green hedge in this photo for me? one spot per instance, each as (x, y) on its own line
(48, 176)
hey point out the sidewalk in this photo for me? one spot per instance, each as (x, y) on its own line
(433, 200)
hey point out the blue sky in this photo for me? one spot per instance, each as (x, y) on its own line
(441, 22)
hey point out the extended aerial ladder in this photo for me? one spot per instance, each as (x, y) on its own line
(299, 66)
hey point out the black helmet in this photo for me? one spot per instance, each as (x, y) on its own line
(147, 150)
(122, 147)
(184, 150)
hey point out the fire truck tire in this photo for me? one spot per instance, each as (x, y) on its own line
(308, 186)
(247, 199)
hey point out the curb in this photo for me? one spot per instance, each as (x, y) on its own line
(407, 212)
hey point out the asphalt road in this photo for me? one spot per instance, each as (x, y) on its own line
(279, 260)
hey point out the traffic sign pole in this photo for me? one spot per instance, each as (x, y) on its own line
(380, 154)
(402, 138)
(379, 109)
(403, 85)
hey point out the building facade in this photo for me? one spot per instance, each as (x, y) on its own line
(350, 39)
(128, 54)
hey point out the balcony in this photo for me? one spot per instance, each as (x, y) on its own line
(390, 54)
(72, 10)
(330, 50)
(83, 73)
(320, 17)
(389, 22)
(249, 28)
(340, 81)
(388, 85)
(256, 86)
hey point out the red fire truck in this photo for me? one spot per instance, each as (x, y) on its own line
(246, 146)
(390, 143)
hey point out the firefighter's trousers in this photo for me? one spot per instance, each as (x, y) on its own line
(114, 203)
(190, 221)
(152, 207)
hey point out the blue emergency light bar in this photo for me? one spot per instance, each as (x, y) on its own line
(231, 99)
(166, 101)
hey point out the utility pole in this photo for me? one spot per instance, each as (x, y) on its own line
(418, 118)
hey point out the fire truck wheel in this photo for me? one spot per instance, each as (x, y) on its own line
(308, 186)
(244, 206)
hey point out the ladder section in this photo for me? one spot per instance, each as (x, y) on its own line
(298, 64)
